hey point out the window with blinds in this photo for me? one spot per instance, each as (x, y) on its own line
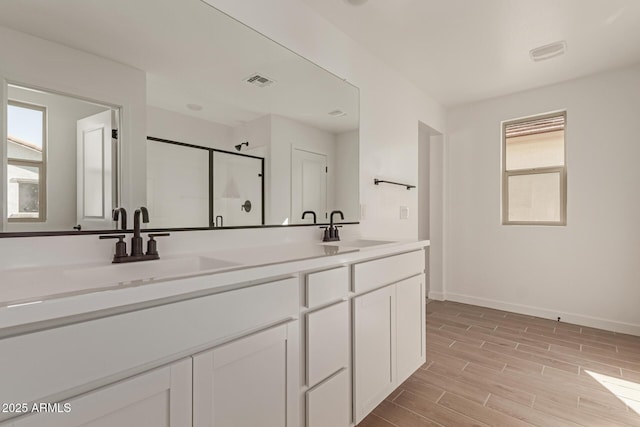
(534, 171)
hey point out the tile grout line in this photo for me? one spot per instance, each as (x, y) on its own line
(383, 418)
(420, 416)
(486, 400)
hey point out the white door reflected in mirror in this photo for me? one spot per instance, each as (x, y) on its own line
(94, 175)
(308, 184)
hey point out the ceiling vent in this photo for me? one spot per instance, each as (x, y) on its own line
(548, 51)
(259, 80)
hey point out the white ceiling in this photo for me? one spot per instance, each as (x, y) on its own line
(193, 54)
(461, 51)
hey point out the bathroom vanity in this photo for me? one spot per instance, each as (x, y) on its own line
(296, 334)
(302, 334)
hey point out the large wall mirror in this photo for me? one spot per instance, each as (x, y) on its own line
(238, 130)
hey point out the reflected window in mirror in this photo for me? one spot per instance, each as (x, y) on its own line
(26, 165)
(61, 165)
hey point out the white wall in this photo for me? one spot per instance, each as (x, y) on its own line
(190, 130)
(347, 184)
(587, 272)
(35, 62)
(391, 107)
(424, 172)
(286, 134)
(424, 190)
(257, 133)
(437, 220)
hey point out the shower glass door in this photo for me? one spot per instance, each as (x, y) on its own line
(237, 190)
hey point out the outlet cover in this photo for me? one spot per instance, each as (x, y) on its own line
(404, 212)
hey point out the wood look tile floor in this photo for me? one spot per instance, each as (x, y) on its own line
(488, 367)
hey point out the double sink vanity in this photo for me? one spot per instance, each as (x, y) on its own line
(300, 334)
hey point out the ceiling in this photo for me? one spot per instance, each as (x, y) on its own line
(461, 51)
(193, 54)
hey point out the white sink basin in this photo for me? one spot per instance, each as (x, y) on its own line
(115, 274)
(27, 285)
(362, 243)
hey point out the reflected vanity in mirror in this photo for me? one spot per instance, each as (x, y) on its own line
(242, 131)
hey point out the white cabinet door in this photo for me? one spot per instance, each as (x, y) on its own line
(327, 342)
(410, 326)
(161, 397)
(246, 383)
(374, 349)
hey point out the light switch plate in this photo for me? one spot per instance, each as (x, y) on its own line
(362, 211)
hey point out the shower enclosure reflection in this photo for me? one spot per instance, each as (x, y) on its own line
(238, 189)
(193, 186)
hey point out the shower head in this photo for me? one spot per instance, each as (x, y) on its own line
(239, 146)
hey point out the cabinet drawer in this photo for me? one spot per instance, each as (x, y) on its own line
(374, 274)
(329, 404)
(327, 342)
(65, 359)
(327, 286)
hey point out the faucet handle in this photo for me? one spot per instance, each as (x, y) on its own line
(327, 234)
(121, 245)
(152, 245)
(336, 235)
(112, 236)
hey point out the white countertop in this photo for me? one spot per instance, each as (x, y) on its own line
(38, 298)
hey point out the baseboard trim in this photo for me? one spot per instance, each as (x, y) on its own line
(438, 296)
(578, 319)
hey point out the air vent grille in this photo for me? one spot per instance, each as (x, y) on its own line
(259, 80)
